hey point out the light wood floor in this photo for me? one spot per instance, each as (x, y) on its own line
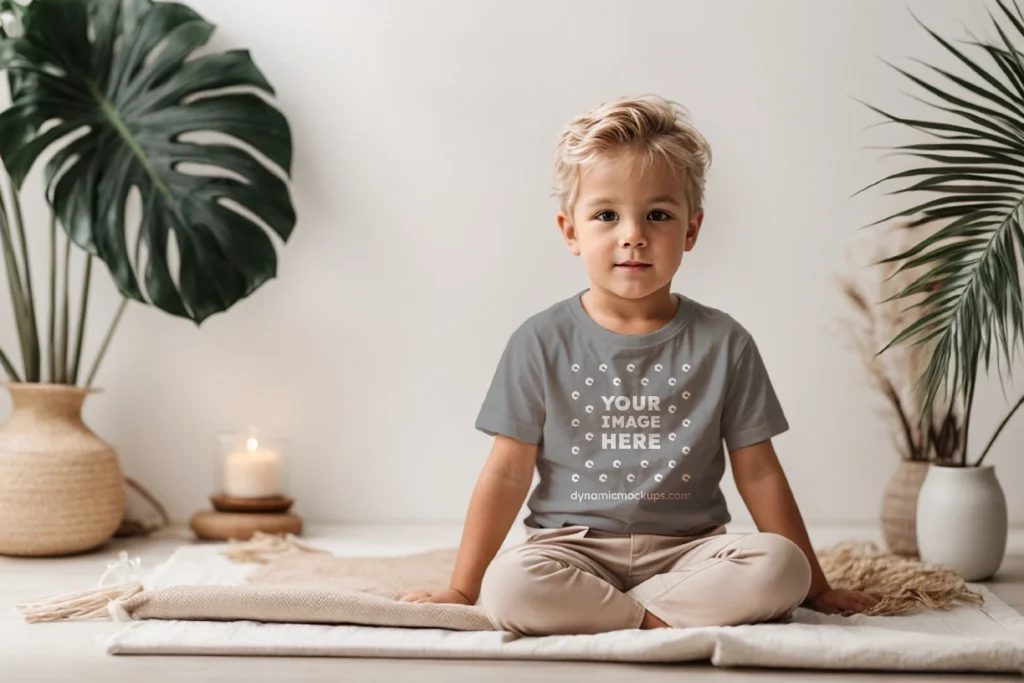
(72, 651)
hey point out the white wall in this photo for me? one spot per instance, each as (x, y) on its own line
(423, 140)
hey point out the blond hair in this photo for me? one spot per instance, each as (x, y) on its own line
(648, 125)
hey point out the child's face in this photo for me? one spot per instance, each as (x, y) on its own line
(621, 215)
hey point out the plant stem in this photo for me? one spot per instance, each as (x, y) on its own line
(53, 298)
(949, 415)
(12, 374)
(907, 432)
(970, 404)
(1001, 425)
(106, 342)
(81, 319)
(34, 373)
(62, 347)
(17, 293)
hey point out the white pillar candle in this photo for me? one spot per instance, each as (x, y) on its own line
(252, 473)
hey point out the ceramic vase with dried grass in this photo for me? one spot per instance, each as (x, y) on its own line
(895, 376)
(61, 486)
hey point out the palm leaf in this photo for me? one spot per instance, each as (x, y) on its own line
(113, 81)
(976, 169)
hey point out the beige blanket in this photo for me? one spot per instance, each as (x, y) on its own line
(303, 585)
(317, 588)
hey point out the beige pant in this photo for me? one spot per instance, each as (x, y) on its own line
(580, 580)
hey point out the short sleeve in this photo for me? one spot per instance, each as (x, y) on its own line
(514, 404)
(751, 412)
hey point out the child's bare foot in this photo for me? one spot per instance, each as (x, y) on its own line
(651, 621)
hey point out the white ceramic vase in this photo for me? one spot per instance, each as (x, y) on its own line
(962, 520)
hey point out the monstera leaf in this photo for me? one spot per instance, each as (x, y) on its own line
(111, 88)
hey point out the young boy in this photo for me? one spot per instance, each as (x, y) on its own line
(621, 396)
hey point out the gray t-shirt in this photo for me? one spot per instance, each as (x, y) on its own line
(631, 427)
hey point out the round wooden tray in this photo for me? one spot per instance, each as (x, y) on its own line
(223, 503)
(221, 526)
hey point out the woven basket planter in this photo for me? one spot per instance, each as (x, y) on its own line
(899, 507)
(61, 486)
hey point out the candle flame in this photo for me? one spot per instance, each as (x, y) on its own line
(252, 444)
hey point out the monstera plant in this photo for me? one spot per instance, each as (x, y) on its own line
(114, 97)
(166, 162)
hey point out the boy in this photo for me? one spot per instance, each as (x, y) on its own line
(621, 396)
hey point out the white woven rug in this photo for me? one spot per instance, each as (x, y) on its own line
(989, 638)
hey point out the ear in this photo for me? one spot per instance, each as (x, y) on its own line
(568, 230)
(693, 230)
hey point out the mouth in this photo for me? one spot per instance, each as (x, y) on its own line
(633, 266)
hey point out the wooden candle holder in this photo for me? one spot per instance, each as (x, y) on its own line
(241, 518)
(225, 503)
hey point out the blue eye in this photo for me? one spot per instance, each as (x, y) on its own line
(598, 216)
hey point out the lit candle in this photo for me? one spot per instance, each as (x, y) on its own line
(251, 473)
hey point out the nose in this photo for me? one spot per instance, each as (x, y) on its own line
(632, 235)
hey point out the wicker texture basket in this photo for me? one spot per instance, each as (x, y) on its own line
(899, 507)
(61, 486)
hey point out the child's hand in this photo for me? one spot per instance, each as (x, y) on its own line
(842, 601)
(435, 595)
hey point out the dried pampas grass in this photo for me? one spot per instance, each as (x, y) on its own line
(896, 374)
